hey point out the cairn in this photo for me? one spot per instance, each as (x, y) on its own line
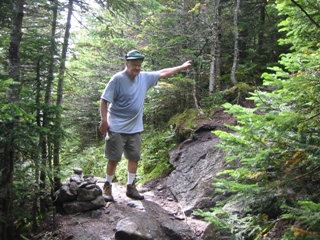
(80, 193)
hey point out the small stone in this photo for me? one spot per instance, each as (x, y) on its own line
(172, 213)
(96, 214)
(88, 176)
(82, 184)
(78, 170)
(105, 238)
(160, 187)
(92, 180)
(56, 233)
(144, 190)
(179, 217)
(69, 237)
(73, 188)
(90, 186)
(78, 178)
(136, 204)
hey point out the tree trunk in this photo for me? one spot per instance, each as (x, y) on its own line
(218, 50)
(56, 150)
(261, 27)
(6, 188)
(14, 59)
(9, 156)
(37, 158)
(214, 79)
(236, 44)
(45, 143)
(212, 71)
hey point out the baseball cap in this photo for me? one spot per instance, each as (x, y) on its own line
(134, 55)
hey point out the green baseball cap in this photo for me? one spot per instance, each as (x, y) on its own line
(134, 55)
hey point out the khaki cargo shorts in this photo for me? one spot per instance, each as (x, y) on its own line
(120, 143)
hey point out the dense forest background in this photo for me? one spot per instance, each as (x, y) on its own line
(257, 59)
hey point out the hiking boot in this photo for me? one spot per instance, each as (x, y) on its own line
(133, 193)
(107, 190)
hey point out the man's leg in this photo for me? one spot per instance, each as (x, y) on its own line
(111, 169)
(132, 171)
(132, 192)
(113, 150)
(132, 153)
(107, 188)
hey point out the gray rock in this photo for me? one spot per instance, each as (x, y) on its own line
(90, 186)
(82, 184)
(196, 163)
(139, 226)
(88, 194)
(78, 171)
(73, 188)
(90, 179)
(88, 176)
(78, 178)
(212, 232)
(76, 206)
(153, 224)
(95, 214)
(64, 194)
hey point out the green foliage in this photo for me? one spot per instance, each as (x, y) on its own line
(167, 99)
(282, 132)
(213, 101)
(210, 104)
(238, 93)
(18, 134)
(277, 142)
(239, 227)
(155, 158)
(90, 159)
(299, 234)
(307, 213)
(26, 189)
(183, 124)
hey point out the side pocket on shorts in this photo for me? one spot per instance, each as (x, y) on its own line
(109, 135)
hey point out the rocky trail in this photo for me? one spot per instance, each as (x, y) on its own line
(101, 224)
(167, 211)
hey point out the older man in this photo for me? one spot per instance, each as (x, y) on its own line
(121, 110)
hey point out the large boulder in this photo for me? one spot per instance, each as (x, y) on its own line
(154, 223)
(196, 161)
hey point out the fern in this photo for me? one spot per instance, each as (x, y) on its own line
(306, 212)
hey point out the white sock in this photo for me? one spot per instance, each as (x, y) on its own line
(131, 177)
(109, 178)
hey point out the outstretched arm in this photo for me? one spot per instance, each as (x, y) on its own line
(167, 72)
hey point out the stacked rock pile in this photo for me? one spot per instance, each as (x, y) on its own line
(80, 193)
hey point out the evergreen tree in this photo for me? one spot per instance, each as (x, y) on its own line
(277, 142)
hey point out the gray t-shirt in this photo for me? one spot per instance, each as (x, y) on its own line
(126, 98)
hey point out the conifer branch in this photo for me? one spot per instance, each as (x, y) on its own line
(307, 14)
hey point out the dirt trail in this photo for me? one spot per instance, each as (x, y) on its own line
(100, 224)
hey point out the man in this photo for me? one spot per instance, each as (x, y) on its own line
(121, 110)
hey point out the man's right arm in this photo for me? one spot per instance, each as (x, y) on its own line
(167, 72)
(104, 126)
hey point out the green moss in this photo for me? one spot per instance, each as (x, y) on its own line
(184, 123)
